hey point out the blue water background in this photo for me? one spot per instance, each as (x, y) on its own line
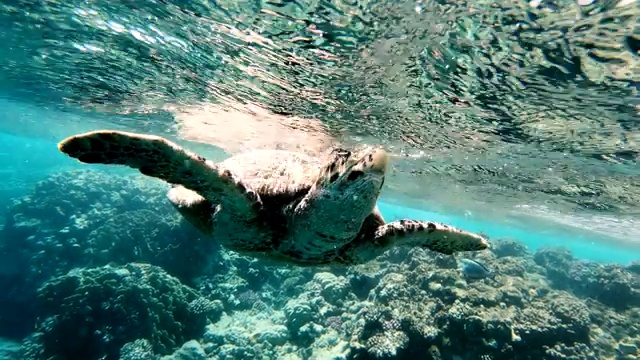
(25, 160)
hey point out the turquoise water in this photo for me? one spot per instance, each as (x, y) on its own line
(583, 246)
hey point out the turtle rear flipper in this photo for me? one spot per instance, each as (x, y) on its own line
(437, 237)
(192, 206)
(160, 158)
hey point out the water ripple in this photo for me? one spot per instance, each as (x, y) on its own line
(500, 102)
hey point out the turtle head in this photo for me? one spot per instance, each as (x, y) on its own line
(344, 194)
(352, 176)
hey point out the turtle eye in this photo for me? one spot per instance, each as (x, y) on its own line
(355, 175)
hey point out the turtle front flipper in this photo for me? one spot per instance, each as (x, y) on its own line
(160, 158)
(434, 236)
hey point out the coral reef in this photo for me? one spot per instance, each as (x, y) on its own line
(407, 303)
(504, 248)
(90, 218)
(91, 314)
(614, 285)
(416, 303)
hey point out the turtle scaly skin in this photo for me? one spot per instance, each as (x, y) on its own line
(276, 204)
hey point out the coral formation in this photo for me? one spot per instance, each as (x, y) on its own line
(91, 314)
(407, 303)
(89, 218)
(514, 248)
(614, 285)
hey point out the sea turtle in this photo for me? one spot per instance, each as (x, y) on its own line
(277, 204)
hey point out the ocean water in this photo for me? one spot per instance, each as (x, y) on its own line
(517, 121)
